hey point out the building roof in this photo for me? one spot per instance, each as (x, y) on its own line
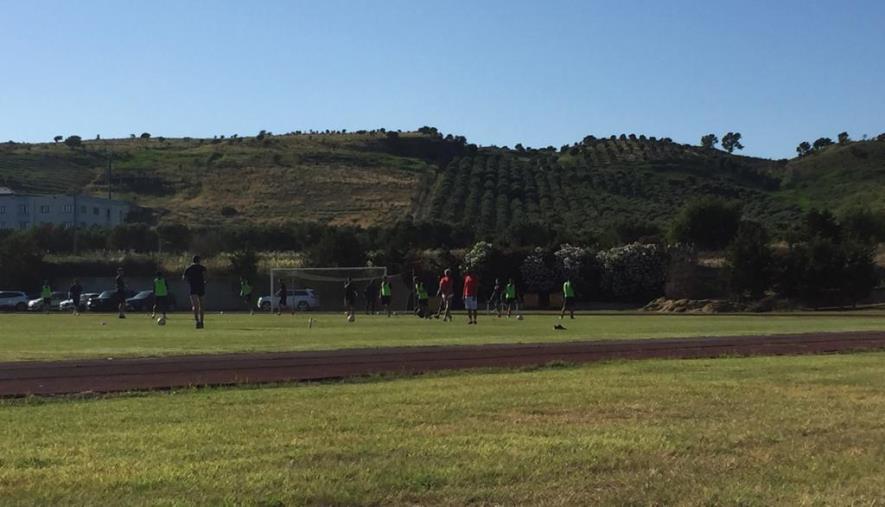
(90, 198)
(6, 191)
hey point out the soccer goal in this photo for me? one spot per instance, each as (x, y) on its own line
(322, 289)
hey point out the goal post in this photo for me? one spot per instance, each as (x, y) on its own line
(322, 288)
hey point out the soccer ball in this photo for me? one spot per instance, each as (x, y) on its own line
(351, 318)
(519, 317)
(161, 321)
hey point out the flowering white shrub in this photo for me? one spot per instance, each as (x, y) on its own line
(537, 275)
(633, 271)
(478, 257)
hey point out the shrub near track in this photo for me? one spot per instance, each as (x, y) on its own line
(760, 431)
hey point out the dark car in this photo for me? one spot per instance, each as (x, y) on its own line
(144, 301)
(107, 301)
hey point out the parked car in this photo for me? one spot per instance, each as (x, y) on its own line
(68, 304)
(144, 301)
(13, 300)
(37, 303)
(300, 299)
(106, 301)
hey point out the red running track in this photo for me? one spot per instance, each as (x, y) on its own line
(115, 375)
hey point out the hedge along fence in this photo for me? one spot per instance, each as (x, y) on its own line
(632, 273)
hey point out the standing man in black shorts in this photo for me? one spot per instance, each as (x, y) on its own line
(195, 274)
(74, 293)
(120, 282)
(283, 295)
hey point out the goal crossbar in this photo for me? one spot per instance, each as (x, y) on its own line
(323, 276)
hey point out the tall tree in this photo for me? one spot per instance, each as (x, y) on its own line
(804, 148)
(708, 223)
(843, 138)
(709, 141)
(749, 260)
(732, 141)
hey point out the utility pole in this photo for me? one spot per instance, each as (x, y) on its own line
(109, 174)
(76, 221)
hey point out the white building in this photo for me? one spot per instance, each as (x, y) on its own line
(22, 211)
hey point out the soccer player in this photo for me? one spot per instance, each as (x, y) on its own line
(120, 295)
(371, 294)
(386, 293)
(421, 293)
(74, 292)
(246, 294)
(495, 297)
(161, 295)
(510, 297)
(283, 294)
(349, 298)
(46, 295)
(568, 299)
(470, 297)
(445, 292)
(195, 274)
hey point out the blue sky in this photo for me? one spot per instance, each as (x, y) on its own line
(498, 72)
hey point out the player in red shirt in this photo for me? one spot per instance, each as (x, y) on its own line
(470, 297)
(446, 292)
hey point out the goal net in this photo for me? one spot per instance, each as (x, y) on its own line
(322, 289)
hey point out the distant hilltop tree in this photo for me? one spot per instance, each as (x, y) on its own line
(732, 141)
(822, 143)
(709, 141)
(804, 148)
(74, 142)
(843, 138)
(145, 135)
(57, 139)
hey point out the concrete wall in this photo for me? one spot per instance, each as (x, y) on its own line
(26, 211)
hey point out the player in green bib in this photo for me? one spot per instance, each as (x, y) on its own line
(568, 299)
(46, 295)
(161, 295)
(386, 294)
(510, 297)
(246, 295)
(423, 297)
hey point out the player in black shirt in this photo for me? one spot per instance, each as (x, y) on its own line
(283, 295)
(75, 292)
(349, 298)
(195, 274)
(371, 294)
(121, 293)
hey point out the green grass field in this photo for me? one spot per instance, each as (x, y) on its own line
(57, 336)
(757, 431)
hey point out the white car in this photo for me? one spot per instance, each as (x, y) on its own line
(300, 299)
(37, 304)
(68, 304)
(13, 300)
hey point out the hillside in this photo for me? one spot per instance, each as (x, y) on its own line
(597, 183)
(839, 177)
(376, 177)
(340, 179)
